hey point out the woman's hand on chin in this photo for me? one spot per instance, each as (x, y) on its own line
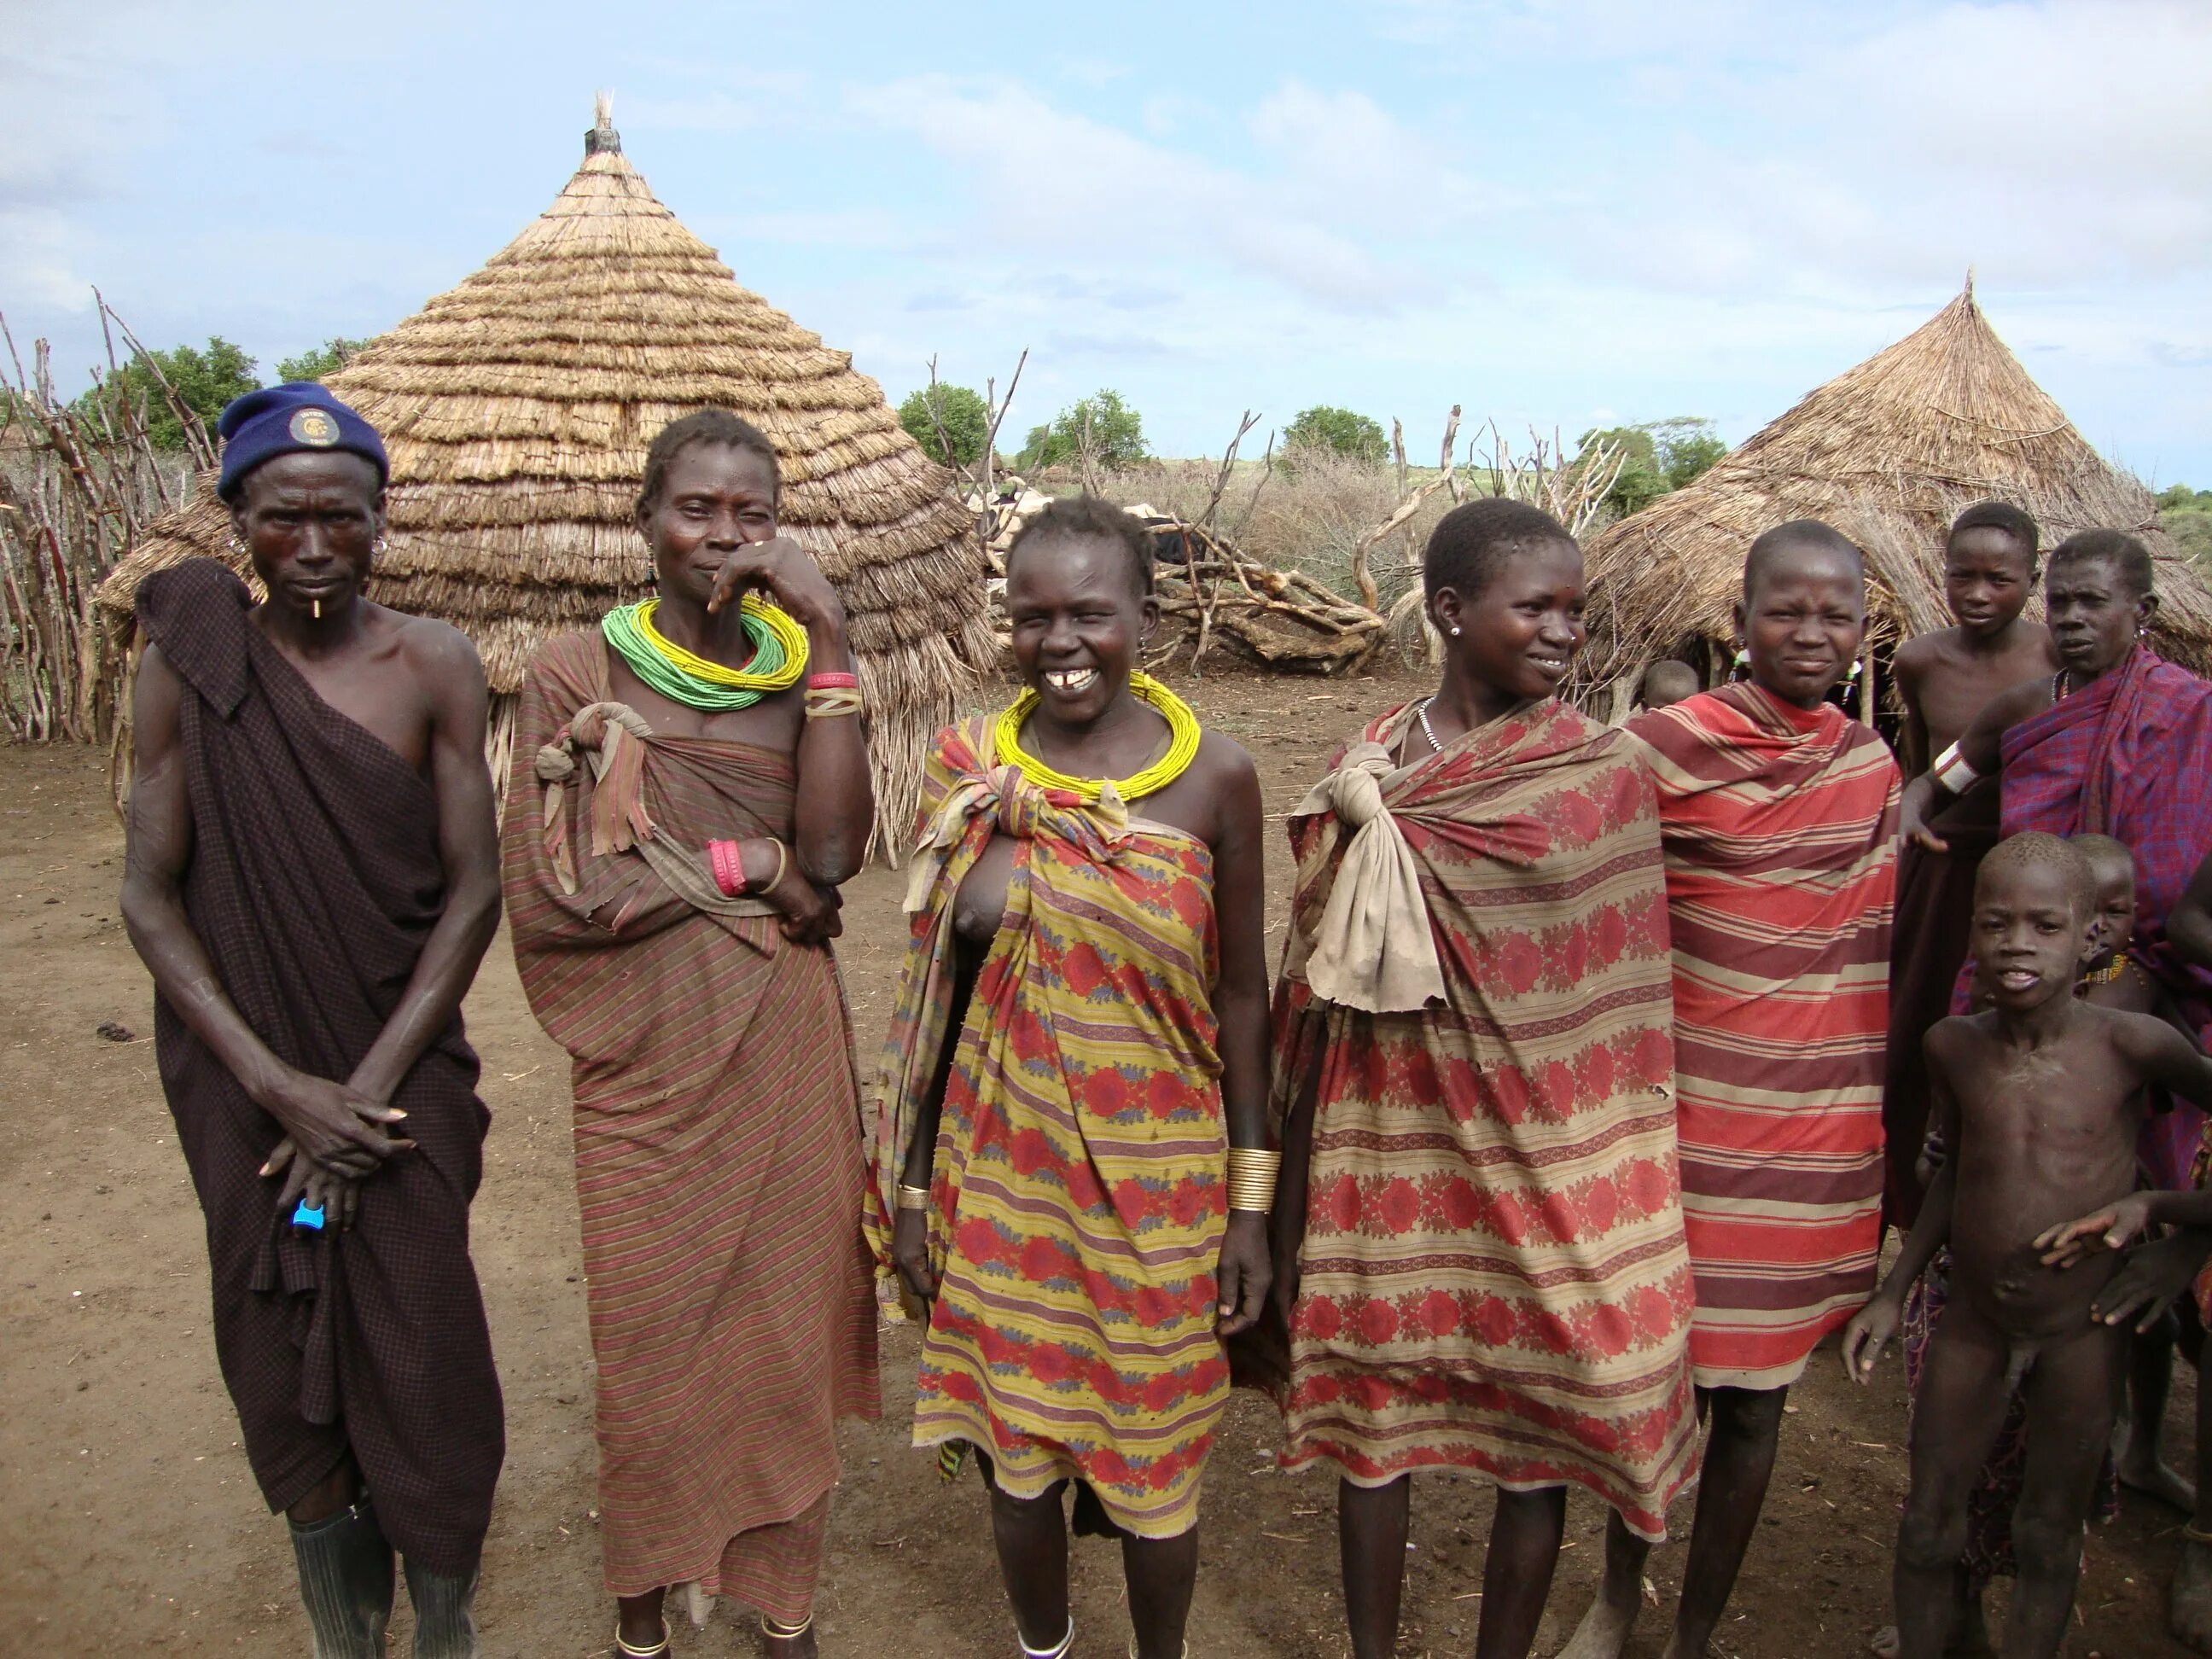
(787, 573)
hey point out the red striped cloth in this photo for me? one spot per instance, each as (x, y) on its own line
(718, 1167)
(1779, 825)
(1492, 1275)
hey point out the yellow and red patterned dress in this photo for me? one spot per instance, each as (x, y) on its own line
(1078, 1194)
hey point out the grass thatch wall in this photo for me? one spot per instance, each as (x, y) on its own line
(1888, 453)
(517, 406)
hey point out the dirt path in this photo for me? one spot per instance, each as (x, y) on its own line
(128, 1522)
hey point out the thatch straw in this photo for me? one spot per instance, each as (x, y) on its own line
(517, 406)
(1889, 453)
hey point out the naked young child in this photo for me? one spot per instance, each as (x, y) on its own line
(2040, 1098)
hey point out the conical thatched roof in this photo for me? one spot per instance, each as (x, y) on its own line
(1889, 452)
(517, 406)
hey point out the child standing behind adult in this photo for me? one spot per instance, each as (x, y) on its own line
(1943, 679)
(1779, 815)
(2041, 1098)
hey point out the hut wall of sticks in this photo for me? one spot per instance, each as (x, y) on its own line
(1889, 452)
(518, 407)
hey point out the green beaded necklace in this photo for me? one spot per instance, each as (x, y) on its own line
(779, 657)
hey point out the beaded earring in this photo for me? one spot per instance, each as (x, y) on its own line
(1852, 678)
(1742, 669)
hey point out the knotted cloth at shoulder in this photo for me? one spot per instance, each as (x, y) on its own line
(1373, 948)
(1018, 807)
(613, 735)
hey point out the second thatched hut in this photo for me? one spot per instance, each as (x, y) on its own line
(517, 408)
(1888, 453)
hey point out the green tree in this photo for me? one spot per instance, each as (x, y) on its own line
(1643, 479)
(1339, 430)
(203, 381)
(319, 361)
(1658, 457)
(1116, 435)
(2185, 514)
(1687, 447)
(960, 411)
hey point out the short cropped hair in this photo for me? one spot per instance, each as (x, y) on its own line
(1788, 539)
(2034, 848)
(2128, 559)
(702, 426)
(1472, 543)
(1670, 678)
(2106, 855)
(2003, 517)
(1083, 517)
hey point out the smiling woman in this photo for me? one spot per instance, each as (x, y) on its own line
(1070, 1170)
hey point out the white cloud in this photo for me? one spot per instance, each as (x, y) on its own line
(1061, 187)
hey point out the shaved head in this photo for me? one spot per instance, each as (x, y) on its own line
(1798, 540)
(1668, 681)
(2032, 849)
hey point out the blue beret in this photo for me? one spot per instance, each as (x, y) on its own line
(285, 420)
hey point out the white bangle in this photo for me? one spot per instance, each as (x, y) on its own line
(1952, 772)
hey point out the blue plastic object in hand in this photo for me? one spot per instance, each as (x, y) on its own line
(304, 1217)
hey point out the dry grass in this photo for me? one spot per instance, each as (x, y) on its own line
(518, 407)
(1888, 453)
(1308, 516)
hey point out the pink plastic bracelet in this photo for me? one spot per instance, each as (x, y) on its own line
(729, 867)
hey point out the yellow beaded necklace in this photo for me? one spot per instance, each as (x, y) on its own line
(776, 666)
(1183, 746)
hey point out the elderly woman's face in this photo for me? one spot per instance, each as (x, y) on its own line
(2094, 616)
(715, 498)
(310, 522)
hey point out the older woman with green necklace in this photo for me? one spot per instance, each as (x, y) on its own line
(690, 784)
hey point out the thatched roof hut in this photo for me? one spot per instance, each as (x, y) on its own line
(1889, 452)
(517, 406)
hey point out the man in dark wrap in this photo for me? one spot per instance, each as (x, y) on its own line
(313, 879)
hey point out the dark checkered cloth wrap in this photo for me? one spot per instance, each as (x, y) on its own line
(315, 881)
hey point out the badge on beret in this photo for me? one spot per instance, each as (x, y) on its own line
(315, 428)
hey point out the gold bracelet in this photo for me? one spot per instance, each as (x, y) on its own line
(829, 703)
(1252, 1172)
(913, 1197)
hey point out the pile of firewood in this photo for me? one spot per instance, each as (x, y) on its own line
(1211, 594)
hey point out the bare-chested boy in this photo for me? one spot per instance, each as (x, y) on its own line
(1943, 679)
(2039, 1098)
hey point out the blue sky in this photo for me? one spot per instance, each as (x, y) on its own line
(1558, 212)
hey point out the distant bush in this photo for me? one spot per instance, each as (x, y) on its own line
(960, 411)
(1659, 456)
(1116, 435)
(318, 361)
(204, 380)
(2185, 514)
(1340, 431)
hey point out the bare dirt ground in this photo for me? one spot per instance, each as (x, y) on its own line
(128, 1522)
